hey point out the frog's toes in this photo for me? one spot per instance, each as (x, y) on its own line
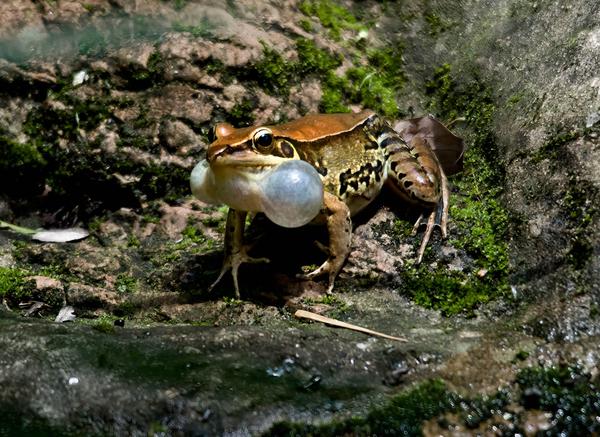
(325, 267)
(329, 267)
(233, 262)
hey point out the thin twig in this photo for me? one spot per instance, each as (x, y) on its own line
(301, 314)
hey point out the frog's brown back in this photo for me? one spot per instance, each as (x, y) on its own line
(316, 126)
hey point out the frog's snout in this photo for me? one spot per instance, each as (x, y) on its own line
(215, 151)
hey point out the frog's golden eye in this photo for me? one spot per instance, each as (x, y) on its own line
(262, 139)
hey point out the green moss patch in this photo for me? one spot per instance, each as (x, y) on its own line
(22, 168)
(554, 144)
(373, 80)
(12, 283)
(403, 415)
(16, 288)
(74, 174)
(450, 291)
(334, 17)
(374, 83)
(568, 395)
(479, 222)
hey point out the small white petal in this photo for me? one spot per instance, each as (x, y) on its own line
(60, 235)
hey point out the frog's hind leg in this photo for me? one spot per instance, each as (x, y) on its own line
(415, 174)
(236, 253)
(438, 217)
(339, 227)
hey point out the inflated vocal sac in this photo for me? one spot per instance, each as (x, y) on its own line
(289, 194)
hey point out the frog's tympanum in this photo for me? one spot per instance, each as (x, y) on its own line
(354, 156)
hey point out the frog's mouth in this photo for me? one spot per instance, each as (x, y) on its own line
(246, 161)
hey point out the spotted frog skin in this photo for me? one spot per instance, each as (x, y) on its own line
(355, 155)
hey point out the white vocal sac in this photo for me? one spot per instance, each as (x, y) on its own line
(289, 194)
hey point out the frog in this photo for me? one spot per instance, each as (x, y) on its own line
(355, 155)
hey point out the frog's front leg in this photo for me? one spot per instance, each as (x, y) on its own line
(236, 253)
(339, 227)
(415, 173)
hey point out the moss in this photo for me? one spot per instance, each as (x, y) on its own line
(339, 307)
(322, 64)
(193, 242)
(126, 309)
(14, 421)
(104, 324)
(579, 205)
(571, 397)
(47, 124)
(232, 302)
(160, 181)
(580, 196)
(435, 23)
(553, 146)
(193, 234)
(22, 168)
(477, 213)
(76, 176)
(148, 76)
(333, 99)
(273, 73)
(334, 17)
(452, 292)
(376, 84)
(89, 7)
(16, 288)
(306, 25)
(313, 60)
(133, 241)
(179, 4)
(242, 113)
(126, 284)
(402, 415)
(12, 283)
(514, 99)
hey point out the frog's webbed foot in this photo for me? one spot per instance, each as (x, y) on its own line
(339, 226)
(236, 253)
(232, 262)
(438, 217)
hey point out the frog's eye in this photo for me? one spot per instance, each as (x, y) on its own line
(262, 139)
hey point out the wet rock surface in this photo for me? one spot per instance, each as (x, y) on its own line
(106, 106)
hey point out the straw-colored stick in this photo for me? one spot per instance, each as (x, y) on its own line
(301, 314)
